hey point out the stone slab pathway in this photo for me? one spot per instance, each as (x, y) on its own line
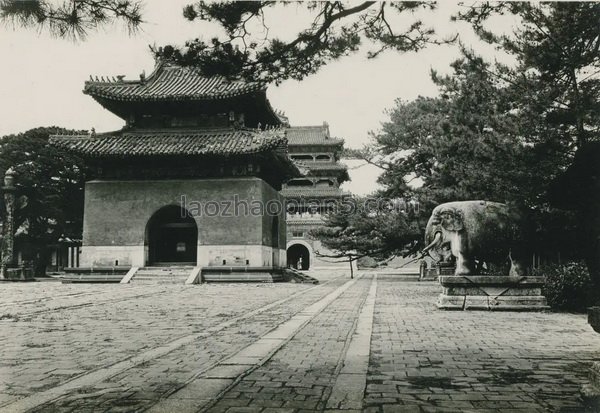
(426, 360)
(373, 344)
(349, 388)
(75, 349)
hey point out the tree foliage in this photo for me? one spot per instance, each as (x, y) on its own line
(246, 48)
(361, 227)
(499, 132)
(74, 18)
(337, 30)
(471, 143)
(557, 48)
(50, 183)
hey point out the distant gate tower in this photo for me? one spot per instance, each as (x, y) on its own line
(184, 180)
(308, 197)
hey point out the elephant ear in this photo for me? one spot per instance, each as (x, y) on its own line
(453, 220)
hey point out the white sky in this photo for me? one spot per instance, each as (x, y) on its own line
(42, 77)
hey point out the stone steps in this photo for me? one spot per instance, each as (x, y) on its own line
(162, 275)
(92, 278)
(102, 275)
(240, 274)
(241, 277)
(298, 277)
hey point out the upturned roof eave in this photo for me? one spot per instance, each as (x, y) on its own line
(113, 150)
(111, 96)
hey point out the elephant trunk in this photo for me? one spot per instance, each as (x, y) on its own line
(436, 240)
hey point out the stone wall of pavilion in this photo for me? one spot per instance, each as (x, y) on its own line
(117, 213)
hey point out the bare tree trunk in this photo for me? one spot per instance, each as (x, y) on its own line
(42, 258)
(579, 121)
(351, 269)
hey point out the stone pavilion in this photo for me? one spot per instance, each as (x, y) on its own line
(182, 183)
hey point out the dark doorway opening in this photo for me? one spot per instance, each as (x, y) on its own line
(172, 237)
(298, 257)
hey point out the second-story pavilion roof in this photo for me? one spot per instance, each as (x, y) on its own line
(316, 139)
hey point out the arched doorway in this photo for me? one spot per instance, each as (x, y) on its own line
(172, 237)
(298, 257)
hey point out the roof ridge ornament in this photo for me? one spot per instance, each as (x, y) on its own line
(282, 117)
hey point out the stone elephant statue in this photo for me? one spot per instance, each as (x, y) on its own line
(473, 233)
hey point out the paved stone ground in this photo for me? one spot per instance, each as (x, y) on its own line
(126, 348)
(425, 360)
(302, 373)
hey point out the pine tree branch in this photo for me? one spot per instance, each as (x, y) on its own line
(73, 18)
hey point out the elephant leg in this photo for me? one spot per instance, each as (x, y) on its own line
(517, 268)
(464, 265)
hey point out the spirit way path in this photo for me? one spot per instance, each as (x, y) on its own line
(373, 344)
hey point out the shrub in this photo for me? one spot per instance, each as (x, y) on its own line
(366, 262)
(566, 285)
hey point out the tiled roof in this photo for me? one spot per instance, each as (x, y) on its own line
(311, 135)
(165, 143)
(324, 166)
(317, 168)
(308, 193)
(170, 82)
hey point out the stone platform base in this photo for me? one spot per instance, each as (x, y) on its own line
(594, 318)
(590, 392)
(241, 274)
(16, 274)
(495, 293)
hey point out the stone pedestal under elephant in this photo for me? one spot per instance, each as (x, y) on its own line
(474, 233)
